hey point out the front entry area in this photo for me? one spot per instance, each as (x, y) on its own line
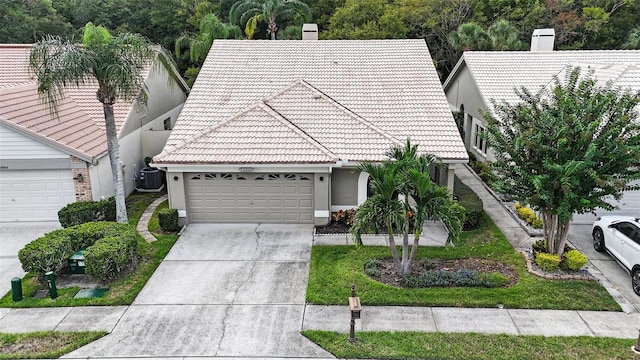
(250, 197)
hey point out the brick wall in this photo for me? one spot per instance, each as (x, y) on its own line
(82, 189)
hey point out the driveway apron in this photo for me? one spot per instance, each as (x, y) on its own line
(222, 291)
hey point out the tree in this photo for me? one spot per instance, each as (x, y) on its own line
(272, 12)
(633, 39)
(562, 151)
(210, 28)
(470, 36)
(115, 63)
(504, 36)
(402, 188)
(368, 19)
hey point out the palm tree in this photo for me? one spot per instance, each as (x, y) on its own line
(116, 63)
(504, 36)
(633, 39)
(270, 11)
(406, 174)
(470, 36)
(211, 28)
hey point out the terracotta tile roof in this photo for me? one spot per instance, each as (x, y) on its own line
(498, 73)
(378, 89)
(79, 126)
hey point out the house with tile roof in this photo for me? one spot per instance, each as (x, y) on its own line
(48, 161)
(273, 131)
(482, 77)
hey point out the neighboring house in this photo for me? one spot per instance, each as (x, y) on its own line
(273, 131)
(480, 77)
(48, 161)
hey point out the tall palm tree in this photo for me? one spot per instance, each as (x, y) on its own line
(504, 36)
(270, 11)
(406, 174)
(470, 36)
(116, 63)
(211, 28)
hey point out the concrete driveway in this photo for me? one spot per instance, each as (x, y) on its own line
(13, 237)
(580, 237)
(223, 291)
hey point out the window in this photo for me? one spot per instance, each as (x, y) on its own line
(167, 123)
(626, 228)
(478, 141)
(209, 176)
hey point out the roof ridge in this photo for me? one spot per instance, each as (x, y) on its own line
(296, 129)
(168, 150)
(333, 103)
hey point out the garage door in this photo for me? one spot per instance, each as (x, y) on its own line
(34, 195)
(629, 204)
(241, 197)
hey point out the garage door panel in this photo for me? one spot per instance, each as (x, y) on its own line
(250, 197)
(34, 195)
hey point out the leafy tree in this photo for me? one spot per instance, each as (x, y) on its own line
(114, 62)
(563, 150)
(210, 28)
(291, 32)
(28, 21)
(405, 176)
(368, 19)
(270, 11)
(504, 36)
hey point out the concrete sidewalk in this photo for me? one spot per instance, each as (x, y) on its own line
(374, 318)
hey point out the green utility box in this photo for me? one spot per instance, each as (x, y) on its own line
(76, 262)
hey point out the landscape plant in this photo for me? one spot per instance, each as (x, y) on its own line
(114, 63)
(565, 149)
(86, 211)
(273, 12)
(403, 189)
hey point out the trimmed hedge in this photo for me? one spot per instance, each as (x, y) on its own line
(168, 220)
(116, 245)
(87, 211)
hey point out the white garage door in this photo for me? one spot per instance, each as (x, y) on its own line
(241, 197)
(629, 204)
(34, 195)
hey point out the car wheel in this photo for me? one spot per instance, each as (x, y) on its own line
(635, 281)
(598, 240)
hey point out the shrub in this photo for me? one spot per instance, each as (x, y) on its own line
(573, 260)
(87, 211)
(472, 204)
(50, 252)
(528, 215)
(109, 256)
(168, 220)
(344, 216)
(548, 262)
(540, 246)
(372, 267)
(427, 263)
(460, 278)
(46, 253)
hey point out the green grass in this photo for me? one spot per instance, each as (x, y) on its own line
(122, 291)
(44, 345)
(154, 223)
(136, 204)
(413, 345)
(334, 268)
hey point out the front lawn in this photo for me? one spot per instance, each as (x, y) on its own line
(334, 268)
(414, 345)
(122, 291)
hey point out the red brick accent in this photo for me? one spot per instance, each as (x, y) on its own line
(82, 189)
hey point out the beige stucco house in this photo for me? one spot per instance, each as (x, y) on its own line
(49, 161)
(480, 77)
(273, 131)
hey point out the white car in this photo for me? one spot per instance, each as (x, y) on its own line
(620, 237)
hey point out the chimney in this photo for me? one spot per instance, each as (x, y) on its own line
(542, 39)
(310, 32)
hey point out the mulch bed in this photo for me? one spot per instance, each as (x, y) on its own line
(389, 276)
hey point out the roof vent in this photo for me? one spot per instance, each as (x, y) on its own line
(310, 32)
(542, 39)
